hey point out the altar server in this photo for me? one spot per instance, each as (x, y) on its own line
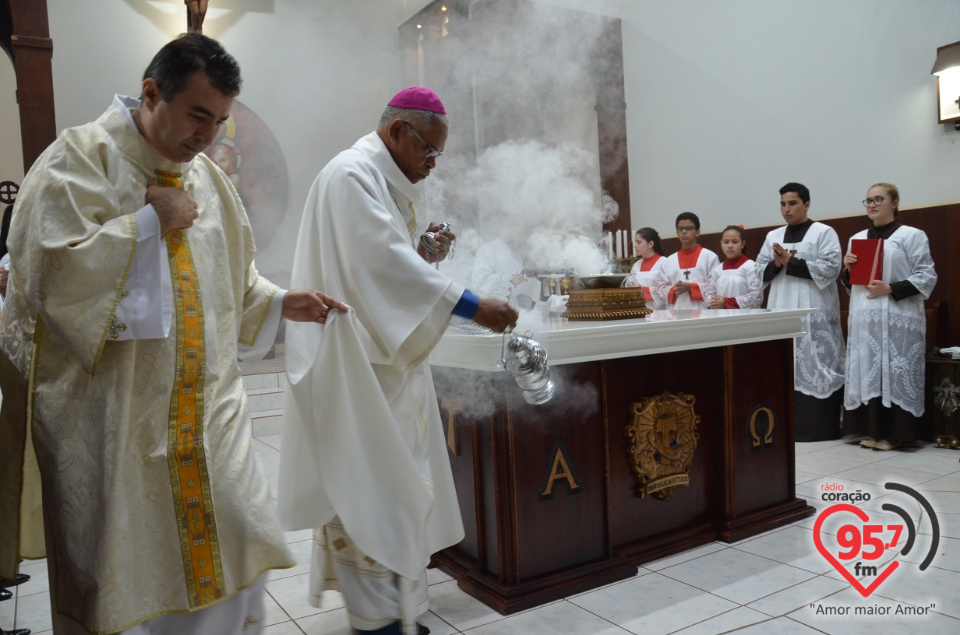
(684, 281)
(800, 262)
(132, 282)
(737, 282)
(886, 329)
(646, 270)
(363, 459)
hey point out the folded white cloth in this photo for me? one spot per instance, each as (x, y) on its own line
(953, 351)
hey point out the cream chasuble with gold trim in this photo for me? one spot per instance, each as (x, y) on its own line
(154, 501)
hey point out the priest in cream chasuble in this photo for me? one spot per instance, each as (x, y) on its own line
(125, 338)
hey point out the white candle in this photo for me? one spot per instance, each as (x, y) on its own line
(608, 238)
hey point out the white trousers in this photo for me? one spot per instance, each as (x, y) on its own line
(375, 596)
(240, 613)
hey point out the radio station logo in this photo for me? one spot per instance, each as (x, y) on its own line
(861, 543)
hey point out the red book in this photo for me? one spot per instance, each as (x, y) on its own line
(869, 264)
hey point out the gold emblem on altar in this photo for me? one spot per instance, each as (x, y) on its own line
(762, 425)
(663, 438)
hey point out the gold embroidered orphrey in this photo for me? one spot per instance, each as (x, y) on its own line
(663, 436)
(199, 542)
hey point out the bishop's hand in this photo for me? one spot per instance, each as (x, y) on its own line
(439, 245)
(496, 315)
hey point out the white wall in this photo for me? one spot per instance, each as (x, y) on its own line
(11, 150)
(318, 73)
(726, 100)
(729, 100)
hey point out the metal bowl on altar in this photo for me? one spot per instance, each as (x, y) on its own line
(603, 281)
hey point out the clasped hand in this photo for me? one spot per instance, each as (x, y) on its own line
(174, 208)
(781, 257)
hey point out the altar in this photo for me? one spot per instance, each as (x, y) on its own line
(664, 434)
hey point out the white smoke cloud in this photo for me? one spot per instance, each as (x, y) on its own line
(537, 197)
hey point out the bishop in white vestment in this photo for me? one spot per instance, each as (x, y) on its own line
(363, 458)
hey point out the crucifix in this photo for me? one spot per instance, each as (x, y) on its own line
(686, 275)
(793, 252)
(196, 11)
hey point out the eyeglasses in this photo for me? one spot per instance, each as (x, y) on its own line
(688, 228)
(867, 202)
(431, 152)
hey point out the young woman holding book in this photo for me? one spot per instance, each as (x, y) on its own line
(886, 328)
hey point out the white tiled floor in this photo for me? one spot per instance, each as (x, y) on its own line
(771, 584)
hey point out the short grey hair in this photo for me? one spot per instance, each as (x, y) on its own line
(420, 119)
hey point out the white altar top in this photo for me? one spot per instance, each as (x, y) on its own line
(571, 342)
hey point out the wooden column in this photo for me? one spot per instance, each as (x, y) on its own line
(31, 49)
(612, 122)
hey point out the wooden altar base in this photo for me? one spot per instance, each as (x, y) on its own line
(508, 598)
(549, 496)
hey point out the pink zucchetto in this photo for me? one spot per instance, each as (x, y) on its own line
(418, 98)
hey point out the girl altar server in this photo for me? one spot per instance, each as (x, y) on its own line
(685, 280)
(737, 282)
(886, 329)
(645, 271)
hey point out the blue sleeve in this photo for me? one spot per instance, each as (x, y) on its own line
(467, 305)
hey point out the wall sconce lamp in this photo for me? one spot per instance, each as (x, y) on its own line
(947, 70)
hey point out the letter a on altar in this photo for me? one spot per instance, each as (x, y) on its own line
(561, 469)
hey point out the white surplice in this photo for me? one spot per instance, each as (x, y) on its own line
(362, 437)
(886, 338)
(701, 273)
(493, 269)
(648, 280)
(742, 284)
(818, 355)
